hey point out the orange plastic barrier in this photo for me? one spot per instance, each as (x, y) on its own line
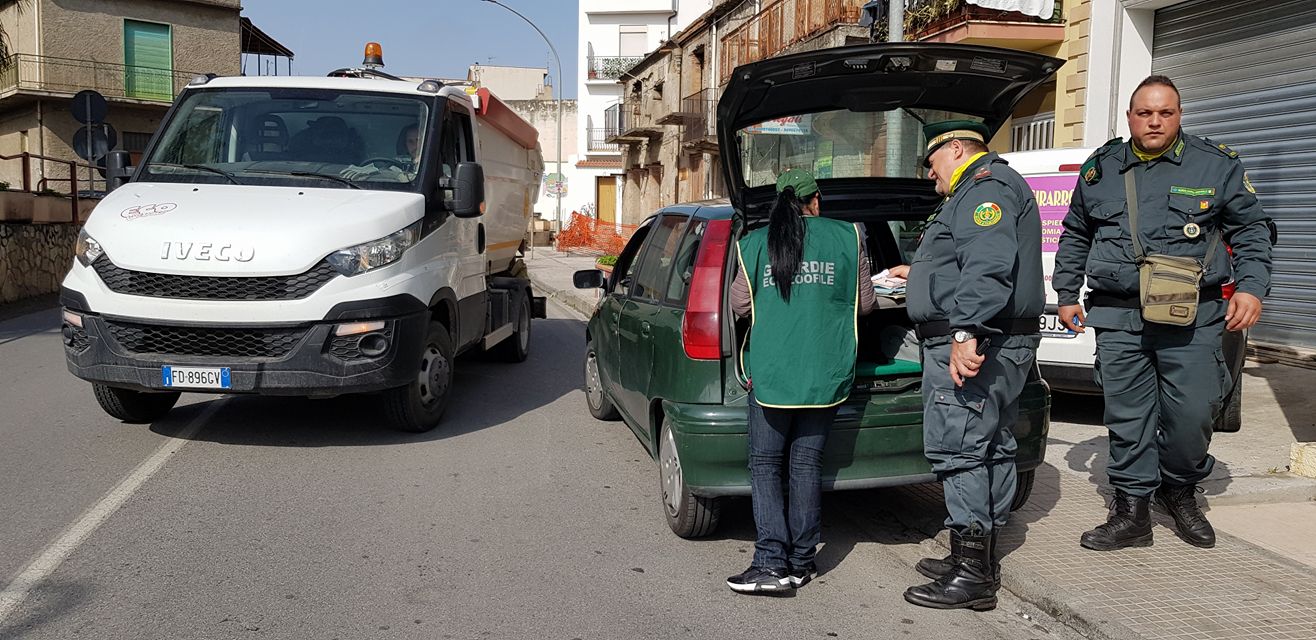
(588, 235)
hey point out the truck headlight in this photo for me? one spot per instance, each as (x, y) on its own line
(87, 249)
(376, 253)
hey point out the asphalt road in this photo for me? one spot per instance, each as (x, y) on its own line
(520, 517)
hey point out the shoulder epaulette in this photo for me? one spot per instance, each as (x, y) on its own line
(1220, 148)
(1091, 169)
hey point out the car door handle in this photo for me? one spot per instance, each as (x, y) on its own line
(646, 329)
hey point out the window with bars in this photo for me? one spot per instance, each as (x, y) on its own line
(1033, 132)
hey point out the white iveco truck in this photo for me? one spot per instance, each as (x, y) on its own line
(307, 236)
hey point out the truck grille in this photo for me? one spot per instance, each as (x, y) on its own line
(204, 341)
(162, 285)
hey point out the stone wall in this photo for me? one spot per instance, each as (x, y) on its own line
(34, 258)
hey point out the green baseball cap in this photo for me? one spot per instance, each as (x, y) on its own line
(800, 180)
(939, 133)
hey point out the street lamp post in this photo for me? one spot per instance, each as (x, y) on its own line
(560, 171)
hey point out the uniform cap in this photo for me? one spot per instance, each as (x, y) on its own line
(800, 180)
(939, 133)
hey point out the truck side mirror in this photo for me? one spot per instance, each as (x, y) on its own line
(468, 190)
(117, 169)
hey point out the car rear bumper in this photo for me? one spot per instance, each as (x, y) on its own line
(713, 444)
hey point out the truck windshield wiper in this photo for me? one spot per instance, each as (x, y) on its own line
(307, 174)
(197, 167)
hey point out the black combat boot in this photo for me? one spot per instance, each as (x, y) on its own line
(1129, 525)
(969, 584)
(1180, 501)
(935, 568)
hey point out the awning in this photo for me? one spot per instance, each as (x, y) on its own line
(1039, 8)
(257, 42)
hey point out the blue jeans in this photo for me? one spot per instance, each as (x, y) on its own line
(788, 533)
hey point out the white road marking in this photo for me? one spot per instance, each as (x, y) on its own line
(58, 551)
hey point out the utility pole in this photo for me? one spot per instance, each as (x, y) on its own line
(895, 28)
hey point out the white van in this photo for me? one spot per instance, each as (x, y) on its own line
(1065, 357)
(307, 236)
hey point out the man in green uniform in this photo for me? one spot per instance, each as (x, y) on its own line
(1163, 383)
(975, 293)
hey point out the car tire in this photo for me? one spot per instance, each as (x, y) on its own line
(516, 348)
(1023, 488)
(595, 397)
(418, 406)
(688, 515)
(134, 407)
(1230, 419)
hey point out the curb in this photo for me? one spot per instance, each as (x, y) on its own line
(1070, 609)
(565, 298)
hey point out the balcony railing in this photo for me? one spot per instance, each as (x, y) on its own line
(929, 18)
(613, 121)
(779, 25)
(609, 67)
(700, 125)
(596, 141)
(27, 72)
(1033, 133)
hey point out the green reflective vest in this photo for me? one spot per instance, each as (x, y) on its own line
(802, 354)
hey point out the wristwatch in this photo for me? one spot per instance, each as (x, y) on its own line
(961, 336)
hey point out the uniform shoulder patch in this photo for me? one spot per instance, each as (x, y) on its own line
(1247, 183)
(983, 172)
(987, 214)
(1091, 169)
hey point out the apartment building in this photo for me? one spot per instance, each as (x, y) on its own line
(137, 53)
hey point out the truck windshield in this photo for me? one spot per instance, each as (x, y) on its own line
(292, 137)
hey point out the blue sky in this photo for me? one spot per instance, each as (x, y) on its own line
(421, 37)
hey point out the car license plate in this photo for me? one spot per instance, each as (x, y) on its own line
(197, 377)
(1051, 327)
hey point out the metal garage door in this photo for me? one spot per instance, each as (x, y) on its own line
(1247, 73)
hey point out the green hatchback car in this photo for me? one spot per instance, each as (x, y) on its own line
(662, 347)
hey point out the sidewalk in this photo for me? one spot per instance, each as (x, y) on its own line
(1258, 582)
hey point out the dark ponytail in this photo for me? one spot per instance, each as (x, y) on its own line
(786, 240)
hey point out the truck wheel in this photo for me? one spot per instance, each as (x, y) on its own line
(688, 515)
(1230, 419)
(599, 405)
(135, 407)
(517, 346)
(1023, 488)
(418, 406)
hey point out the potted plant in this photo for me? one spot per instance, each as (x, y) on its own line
(605, 263)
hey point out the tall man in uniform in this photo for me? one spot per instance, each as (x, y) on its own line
(1163, 383)
(975, 292)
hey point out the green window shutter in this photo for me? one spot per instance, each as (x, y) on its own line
(148, 53)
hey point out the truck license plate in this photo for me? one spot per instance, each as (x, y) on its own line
(1051, 327)
(197, 377)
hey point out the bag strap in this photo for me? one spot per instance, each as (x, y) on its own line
(1131, 194)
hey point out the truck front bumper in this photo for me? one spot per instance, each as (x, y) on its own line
(305, 359)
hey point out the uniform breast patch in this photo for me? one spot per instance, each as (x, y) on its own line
(987, 214)
(1193, 191)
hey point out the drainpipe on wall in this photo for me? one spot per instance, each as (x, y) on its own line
(894, 122)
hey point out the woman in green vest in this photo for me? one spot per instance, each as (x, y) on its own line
(803, 282)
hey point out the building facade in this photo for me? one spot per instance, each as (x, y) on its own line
(137, 53)
(614, 36)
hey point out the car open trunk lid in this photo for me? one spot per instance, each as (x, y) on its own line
(986, 82)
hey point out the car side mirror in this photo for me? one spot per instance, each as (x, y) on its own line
(117, 169)
(468, 190)
(589, 279)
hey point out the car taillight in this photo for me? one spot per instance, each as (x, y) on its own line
(701, 328)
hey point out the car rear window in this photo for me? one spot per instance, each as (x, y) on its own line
(656, 261)
(683, 269)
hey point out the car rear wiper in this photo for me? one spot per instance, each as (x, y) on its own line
(307, 174)
(197, 167)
